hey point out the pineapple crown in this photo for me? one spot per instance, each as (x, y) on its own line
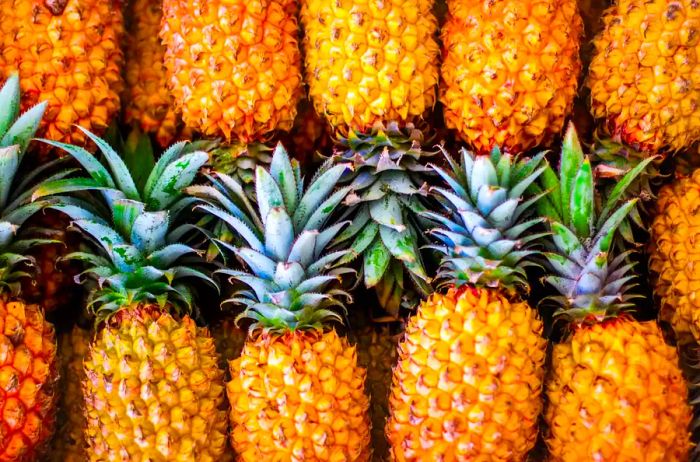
(388, 194)
(486, 235)
(16, 132)
(290, 276)
(592, 280)
(139, 255)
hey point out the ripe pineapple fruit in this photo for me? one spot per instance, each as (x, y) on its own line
(67, 53)
(148, 103)
(296, 391)
(371, 67)
(28, 342)
(643, 78)
(152, 389)
(69, 442)
(471, 364)
(510, 71)
(615, 388)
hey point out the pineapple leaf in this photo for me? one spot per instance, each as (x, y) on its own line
(376, 261)
(168, 255)
(569, 164)
(124, 213)
(176, 176)
(404, 247)
(120, 172)
(260, 264)
(10, 102)
(92, 166)
(303, 248)
(388, 212)
(139, 158)
(279, 233)
(582, 202)
(281, 170)
(316, 193)
(319, 217)
(22, 131)
(363, 240)
(268, 193)
(149, 230)
(617, 192)
(9, 163)
(168, 157)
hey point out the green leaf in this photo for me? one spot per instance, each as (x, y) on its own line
(124, 213)
(22, 131)
(120, 173)
(619, 190)
(267, 192)
(139, 158)
(387, 212)
(316, 194)
(9, 101)
(149, 230)
(404, 247)
(363, 240)
(91, 165)
(376, 261)
(9, 162)
(279, 234)
(582, 201)
(176, 176)
(281, 170)
(168, 157)
(67, 185)
(571, 160)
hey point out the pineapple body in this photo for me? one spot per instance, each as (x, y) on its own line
(299, 396)
(616, 393)
(234, 68)
(153, 390)
(28, 380)
(377, 353)
(69, 442)
(510, 71)
(370, 62)
(69, 57)
(674, 253)
(148, 103)
(644, 76)
(468, 381)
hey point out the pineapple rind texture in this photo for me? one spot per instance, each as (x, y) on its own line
(616, 393)
(370, 61)
(69, 442)
(469, 379)
(154, 391)
(510, 71)
(28, 380)
(673, 254)
(234, 69)
(72, 60)
(644, 77)
(148, 103)
(300, 387)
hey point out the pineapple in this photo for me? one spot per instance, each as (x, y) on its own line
(615, 390)
(152, 389)
(643, 77)
(672, 250)
(471, 363)
(371, 67)
(148, 103)
(68, 53)
(510, 71)
(69, 442)
(29, 373)
(297, 392)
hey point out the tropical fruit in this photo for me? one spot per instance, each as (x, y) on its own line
(644, 75)
(67, 53)
(296, 391)
(27, 341)
(147, 100)
(471, 364)
(615, 387)
(69, 442)
(152, 389)
(510, 71)
(672, 256)
(372, 70)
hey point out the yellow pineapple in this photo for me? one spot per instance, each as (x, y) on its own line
(68, 53)
(69, 441)
(148, 103)
(296, 392)
(644, 76)
(471, 363)
(510, 71)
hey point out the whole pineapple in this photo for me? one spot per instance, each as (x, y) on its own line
(148, 103)
(471, 363)
(643, 77)
(297, 392)
(510, 71)
(371, 67)
(152, 389)
(69, 442)
(67, 53)
(615, 390)
(29, 373)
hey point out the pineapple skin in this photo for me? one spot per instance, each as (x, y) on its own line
(69, 442)
(28, 381)
(377, 353)
(644, 77)
(469, 379)
(616, 393)
(234, 69)
(308, 398)
(370, 62)
(510, 71)
(148, 103)
(153, 390)
(673, 254)
(72, 60)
